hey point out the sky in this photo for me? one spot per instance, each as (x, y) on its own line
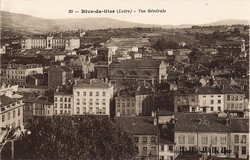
(177, 11)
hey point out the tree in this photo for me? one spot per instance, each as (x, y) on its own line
(76, 138)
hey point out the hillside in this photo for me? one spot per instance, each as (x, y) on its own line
(27, 23)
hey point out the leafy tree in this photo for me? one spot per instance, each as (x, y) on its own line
(76, 138)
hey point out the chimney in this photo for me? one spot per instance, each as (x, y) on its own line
(153, 114)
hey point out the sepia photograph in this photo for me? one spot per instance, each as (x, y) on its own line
(124, 80)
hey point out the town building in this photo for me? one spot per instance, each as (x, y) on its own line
(17, 73)
(60, 75)
(50, 42)
(63, 103)
(125, 104)
(11, 113)
(41, 107)
(152, 71)
(216, 135)
(144, 131)
(92, 97)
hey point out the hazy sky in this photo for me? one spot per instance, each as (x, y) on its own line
(177, 11)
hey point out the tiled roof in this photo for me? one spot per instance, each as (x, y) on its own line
(93, 83)
(138, 125)
(209, 90)
(137, 64)
(227, 88)
(204, 122)
(63, 93)
(5, 100)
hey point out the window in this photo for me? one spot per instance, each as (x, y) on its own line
(236, 138)
(162, 147)
(243, 150)
(77, 93)
(90, 93)
(61, 99)
(204, 140)
(236, 149)
(69, 106)
(153, 151)
(219, 101)
(223, 140)
(219, 108)
(18, 112)
(61, 105)
(243, 139)
(228, 97)
(77, 102)
(223, 150)
(69, 99)
(136, 139)
(144, 151)
(3, 118)
(97, 110)
(161, 157)
(84, 93)
(204, 149)
(14, 114)
(97, 93)
(214, 150)
(103, 93)
(55, 111)
(144, 139)
(214, 140)
(212, 102)
(190, 139)
(97, 102)
(212, 108)
(84, 110)
(103, 102)
(55, 99)
(182, 139)
(55, 105)
(65, 105)
(77, 110)
(103, 110)
(170, 148)
(90, 101)
(91, 110)
(152, 139)
(84, 101)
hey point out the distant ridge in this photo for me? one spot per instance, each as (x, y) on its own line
(32, 24)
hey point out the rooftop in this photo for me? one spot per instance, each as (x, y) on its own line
(206, 122)
(138, 125)
(5, 100)
(137, 63)
(91, 83)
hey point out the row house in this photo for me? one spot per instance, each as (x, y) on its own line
(212, 135)
(92, 97)
(63, 103)
(17, 73)
(131, 104)
(145, 134)
(221, 96)
(234, 98)
(125, 105)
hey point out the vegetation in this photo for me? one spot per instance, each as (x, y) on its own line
(76, 138)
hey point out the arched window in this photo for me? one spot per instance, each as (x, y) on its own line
(132, 73)
(119, 73)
